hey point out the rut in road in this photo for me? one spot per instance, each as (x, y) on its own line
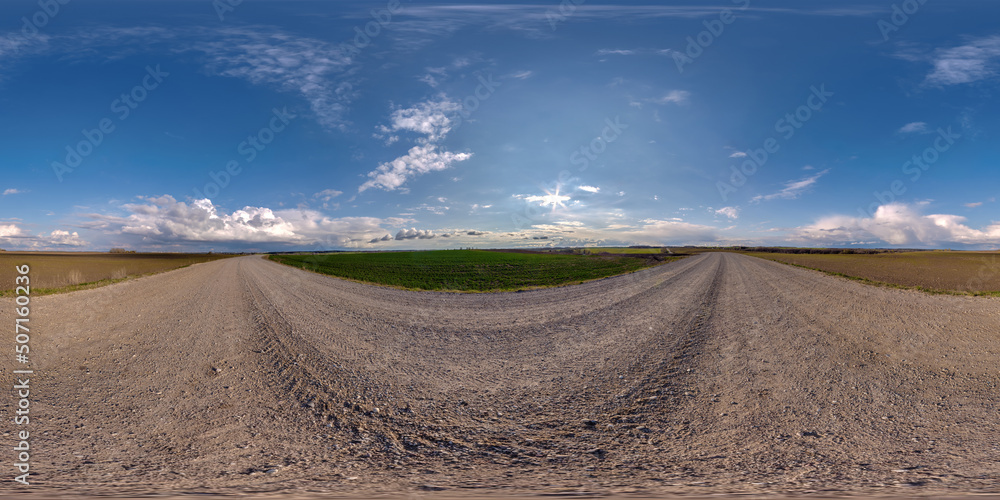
(490, 387)
(718, 369)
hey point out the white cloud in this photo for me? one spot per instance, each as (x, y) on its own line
(664, 232)
(899, 224)
(973, 204)
(590, 189)
(615, 52)
(164, 220)
(674, 96)
(409, 234)
(11, 191)
(913, 128)
(553, 199)
(419, 160)
(792, 189)
(521, 75)
(63, 238)
(328, 194)
(10, 230)
(968, 63)
(12, 236)
(307, 66)
(437, 210)
(738, 154)
(429, 80)
(431, 118)
(731, 212)
(317, 71)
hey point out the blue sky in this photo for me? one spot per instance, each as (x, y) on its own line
(198, 125)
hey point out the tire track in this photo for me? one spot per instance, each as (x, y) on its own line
(717, 371)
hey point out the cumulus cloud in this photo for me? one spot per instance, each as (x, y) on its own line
(10, 230)
(63, 238)
(590, 189)
(899, 224)
(792, 189)
(431, 118)
(409, 234)
(434, 119)
(164, 220)
(15, 237)
(731, 212)
(419, 160)
(913, 128)
(974, 61)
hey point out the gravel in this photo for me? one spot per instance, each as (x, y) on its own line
(243, 375)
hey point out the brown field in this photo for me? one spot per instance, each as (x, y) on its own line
(936, 271)
(64, 271)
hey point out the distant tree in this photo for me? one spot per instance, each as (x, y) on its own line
(121, 250)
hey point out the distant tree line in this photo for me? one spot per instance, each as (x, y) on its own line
(822, 250)
(121, 250)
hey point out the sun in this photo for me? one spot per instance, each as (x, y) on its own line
(551, 198)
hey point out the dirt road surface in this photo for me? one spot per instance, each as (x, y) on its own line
(719, 373)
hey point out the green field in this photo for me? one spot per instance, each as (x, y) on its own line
(621, 250)
(976, 273)
(468, 270)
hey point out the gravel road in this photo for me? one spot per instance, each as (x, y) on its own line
(716, 373)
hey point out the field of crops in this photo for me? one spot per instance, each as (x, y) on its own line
(621, 250)
(467, 270)
(64, 271)
(941, 271)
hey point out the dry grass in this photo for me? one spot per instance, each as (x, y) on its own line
(53, 272)
(976, 273)
(75, 277)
